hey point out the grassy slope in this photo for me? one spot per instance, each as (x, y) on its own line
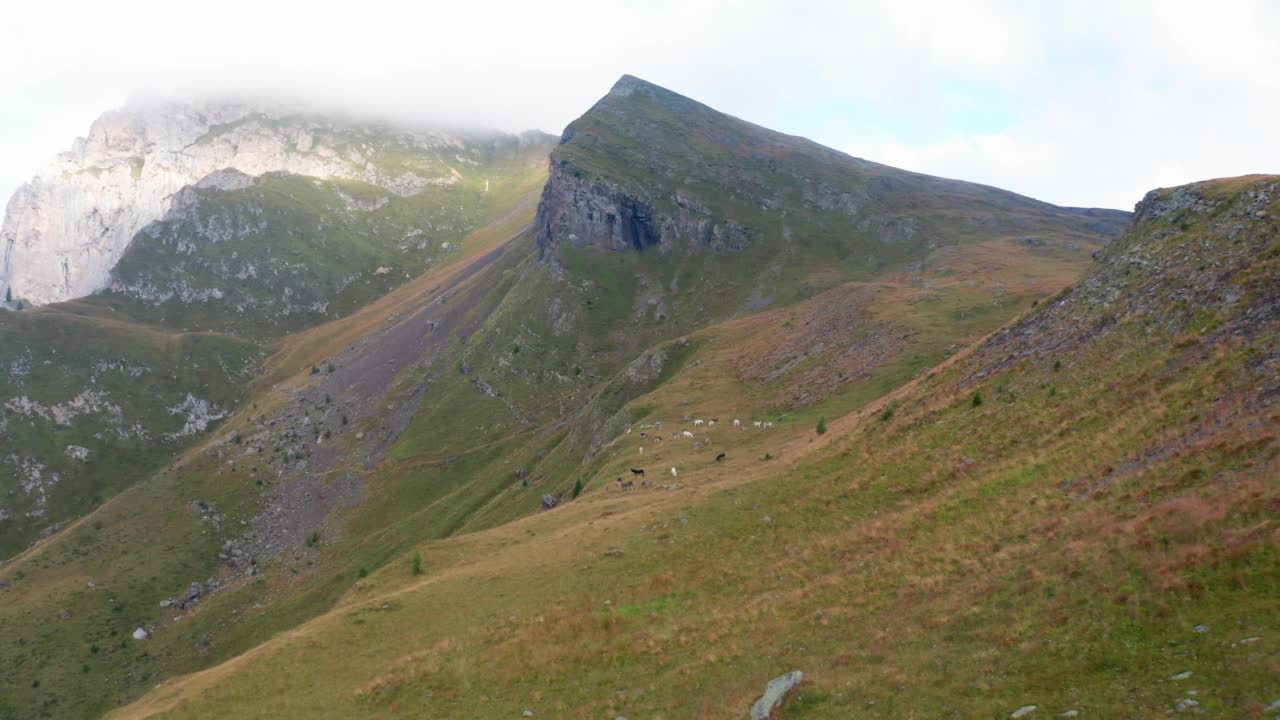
(1103, 521)
(80, 656)
(415, 493)
(57, 354)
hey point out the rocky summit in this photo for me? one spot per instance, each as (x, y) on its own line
(670, 416)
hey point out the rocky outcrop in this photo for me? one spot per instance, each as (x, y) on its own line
(65, 230)
(775, 692)
(594, 211)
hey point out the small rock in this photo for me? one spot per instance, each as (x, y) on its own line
(1070, 714)
(1201, 628)
(774, 693)
(65, 614)
(141, 634)
(1185, 704)
(1181, 676)
(1273, 708)
(527, 713)
(1023, 711)
(549, 501)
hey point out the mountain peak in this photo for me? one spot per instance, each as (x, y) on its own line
(630, 87)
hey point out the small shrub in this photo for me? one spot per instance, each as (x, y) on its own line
(1057, 365)
(315, 370)
(236, 438)
(767, 456)
(515, 349)
(822, 425)
(344, 419)
(331, 369)
(887, 415)
(977, 399)
(314, 539)
(363, 573)
(417, 563)
(328, 434)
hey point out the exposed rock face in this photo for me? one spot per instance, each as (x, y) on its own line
(599, 213)
(64, 231)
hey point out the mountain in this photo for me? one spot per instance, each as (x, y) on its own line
(100, 392)
(1075, 515)
(65, 231)
(680, 264)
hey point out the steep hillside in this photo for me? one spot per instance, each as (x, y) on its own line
(93, 403)
(1077, 516)
(507, 375)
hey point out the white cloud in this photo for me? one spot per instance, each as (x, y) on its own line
(1088, 102)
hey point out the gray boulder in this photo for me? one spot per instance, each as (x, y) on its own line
(774, 693)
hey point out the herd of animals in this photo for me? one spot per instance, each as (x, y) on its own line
(656, 439)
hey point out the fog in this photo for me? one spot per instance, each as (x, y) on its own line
(1090, 104)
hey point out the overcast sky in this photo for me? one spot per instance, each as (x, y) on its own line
(1090, 103)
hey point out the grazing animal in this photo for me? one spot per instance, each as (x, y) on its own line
(756, 423)
(641, 449)
(675, 436)
(720, 457)
(644, 435)
(628, 485)
(768, 424)
(657, 439)
(638, 472)
(737, 423)
(686, 433)
(629, 431)
(674, 473)
(698, 422)
(710, 423)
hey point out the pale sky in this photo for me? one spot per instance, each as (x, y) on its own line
(1091, 102)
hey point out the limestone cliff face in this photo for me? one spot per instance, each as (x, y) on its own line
(65, 230)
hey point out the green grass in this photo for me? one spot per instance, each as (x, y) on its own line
(52, 356)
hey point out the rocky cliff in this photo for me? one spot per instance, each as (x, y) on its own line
(65, 230)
